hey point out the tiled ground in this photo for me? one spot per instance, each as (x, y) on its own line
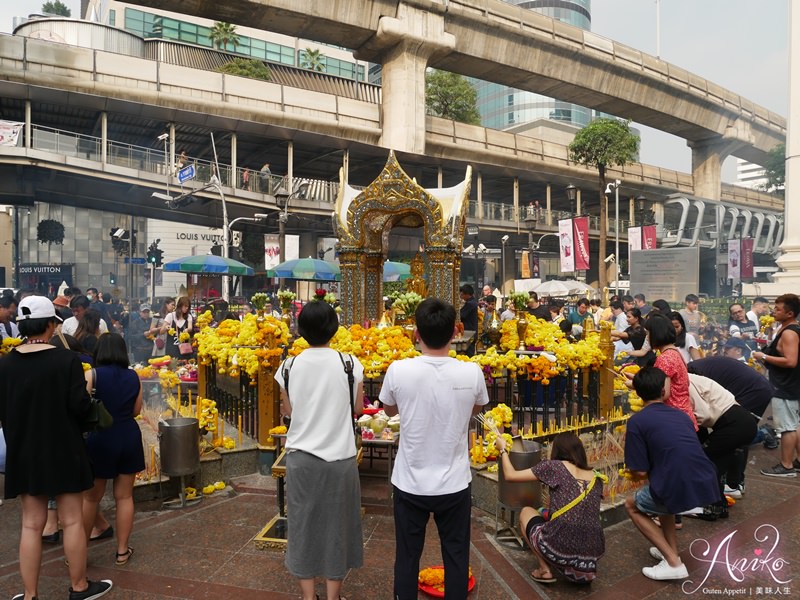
(206, 552)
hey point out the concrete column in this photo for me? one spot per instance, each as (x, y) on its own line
(577, 203)
(789, 262)
(172, 149)
(709, 154)
(440, 178)
(516, 199)
(346, 165)
(289, 167)
(548, 200)
(103, 137)
(234, 160)
(28, 132)
(409, 39)
(479, 194)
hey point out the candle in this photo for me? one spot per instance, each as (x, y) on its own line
(199, 408)
(179, 399)
(472, 437)
(153, 459)
(216, 426)
(222, 429)
(240, 430)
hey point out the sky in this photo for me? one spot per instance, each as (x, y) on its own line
(741, 45)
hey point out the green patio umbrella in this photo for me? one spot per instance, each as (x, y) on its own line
(208, 263)
(312, 269)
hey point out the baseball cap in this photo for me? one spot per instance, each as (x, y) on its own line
(36, 307)
(144, 307)
(735, 342)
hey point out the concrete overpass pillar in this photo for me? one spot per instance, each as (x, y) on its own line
(104, 137)
(28, 132)
(479, 192)
(234, 183)
(409, 40)
(709, 154)
(549, 204)
(788, 278)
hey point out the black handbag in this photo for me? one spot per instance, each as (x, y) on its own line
(96, 417)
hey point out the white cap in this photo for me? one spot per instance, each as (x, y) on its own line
(36, 307)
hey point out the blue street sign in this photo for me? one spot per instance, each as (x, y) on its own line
(186, 173)
(136, 260)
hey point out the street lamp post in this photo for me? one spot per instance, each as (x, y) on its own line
(531, 222)
(615, 185)
(572, 196)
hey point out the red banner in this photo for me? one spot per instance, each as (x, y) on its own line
(649, 237)
(747, 258)
(581, 231)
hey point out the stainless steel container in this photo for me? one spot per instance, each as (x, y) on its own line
(524, 454)
(179, 441)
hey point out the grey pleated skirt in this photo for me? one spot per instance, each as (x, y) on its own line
(323, 502)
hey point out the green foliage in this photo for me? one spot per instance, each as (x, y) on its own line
(604, 143)
(451, 96)
(50, 231)
(313, 60)
(222, 34)
(56, 8)
(246, 67)
(775, 169)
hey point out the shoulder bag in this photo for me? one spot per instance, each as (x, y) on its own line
(580, 497)
(96, 417)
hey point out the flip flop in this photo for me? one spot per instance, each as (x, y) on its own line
(122, 559)
(541, 579)
(105, 534)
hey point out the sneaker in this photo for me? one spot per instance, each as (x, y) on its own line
(779, 471)
(663, 572)
(796, 464)
(656, 553)
(21, 596)
(733, 492)
(95, 590)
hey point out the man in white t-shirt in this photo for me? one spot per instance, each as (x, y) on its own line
(79, 305)
(436, 397)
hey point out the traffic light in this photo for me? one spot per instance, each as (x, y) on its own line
(155, 255)
(112, 278)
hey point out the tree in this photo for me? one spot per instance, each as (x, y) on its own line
(775, 170)
(601, 144)
(222, 34)
(246, 67)
(313, 60)
(56, 8)
(451, 96)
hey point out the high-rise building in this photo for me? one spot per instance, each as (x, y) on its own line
(750, 175)
(503, 107)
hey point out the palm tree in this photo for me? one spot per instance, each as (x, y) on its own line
(223, 34)
(312, 60)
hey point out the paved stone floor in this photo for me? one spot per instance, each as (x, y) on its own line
(207, 551)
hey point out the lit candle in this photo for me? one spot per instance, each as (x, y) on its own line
(240, 430)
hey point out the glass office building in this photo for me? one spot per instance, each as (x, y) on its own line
(502, 107)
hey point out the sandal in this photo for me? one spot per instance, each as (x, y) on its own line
(539, 576)
(122, 559)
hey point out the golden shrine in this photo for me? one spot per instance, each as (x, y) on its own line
(363, 220)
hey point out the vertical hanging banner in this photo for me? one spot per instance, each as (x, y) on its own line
(747, 259)
(634, 243)
(649, 237)
(734, 264)
(525, 265)
(580, 227)
(566, 245)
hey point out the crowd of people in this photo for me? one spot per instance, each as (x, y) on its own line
(699, 411)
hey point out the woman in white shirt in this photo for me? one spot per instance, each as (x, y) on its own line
(323, 498)
(685, 342)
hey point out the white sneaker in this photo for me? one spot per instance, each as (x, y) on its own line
(663, 572)
(656, 553)
(735, 493)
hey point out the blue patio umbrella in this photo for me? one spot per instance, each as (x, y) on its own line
(312, 269)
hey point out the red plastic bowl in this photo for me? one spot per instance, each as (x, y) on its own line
(432, 591)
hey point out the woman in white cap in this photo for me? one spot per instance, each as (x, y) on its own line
(43, 398)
